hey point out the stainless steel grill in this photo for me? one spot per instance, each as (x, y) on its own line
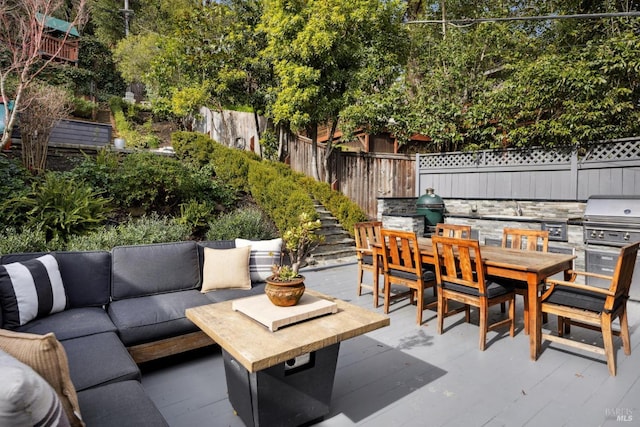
(612, 220)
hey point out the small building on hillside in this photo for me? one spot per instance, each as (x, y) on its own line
(54, 43)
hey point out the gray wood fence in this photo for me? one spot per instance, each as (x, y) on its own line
(609, 168)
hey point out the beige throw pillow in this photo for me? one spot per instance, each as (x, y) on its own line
(45, 355)
(226, 269)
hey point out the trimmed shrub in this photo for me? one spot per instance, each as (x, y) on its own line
(244, 223)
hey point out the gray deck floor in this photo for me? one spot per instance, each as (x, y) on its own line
(408, 375)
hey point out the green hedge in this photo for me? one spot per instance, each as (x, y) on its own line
(282, 193)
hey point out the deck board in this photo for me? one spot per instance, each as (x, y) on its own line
(408, 375)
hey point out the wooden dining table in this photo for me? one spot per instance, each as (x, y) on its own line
(526, 266)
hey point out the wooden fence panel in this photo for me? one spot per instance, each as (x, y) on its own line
(363, 177)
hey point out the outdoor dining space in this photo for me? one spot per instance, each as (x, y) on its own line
(426, 371)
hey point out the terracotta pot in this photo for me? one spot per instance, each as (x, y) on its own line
(285, 294)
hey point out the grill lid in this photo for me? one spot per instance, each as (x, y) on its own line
(621, 209)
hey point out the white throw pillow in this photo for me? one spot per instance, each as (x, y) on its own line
(264, 254)
(30, 289)
(226, 269)
(26, 399)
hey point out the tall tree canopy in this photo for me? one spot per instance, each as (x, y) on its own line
(328, 54)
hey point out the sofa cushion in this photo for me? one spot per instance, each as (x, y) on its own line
(30, 289)
(47, 357)
(151, 269)
(121, 404)
(86, 275)
(229, 294)
(226, 268)
(99, 359)
(154, 317)
(26, 399)
(73, 323)
(264, 255)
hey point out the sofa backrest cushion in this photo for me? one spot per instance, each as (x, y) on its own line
(142, 270)
(86, 275)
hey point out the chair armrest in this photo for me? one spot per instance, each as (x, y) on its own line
(552, 283)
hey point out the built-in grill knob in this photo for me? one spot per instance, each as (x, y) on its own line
(627, 236)
(594, 234)
(601, 234)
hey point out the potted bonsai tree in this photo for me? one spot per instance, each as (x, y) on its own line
(286, 286)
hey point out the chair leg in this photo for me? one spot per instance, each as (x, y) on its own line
(360, 276)
(467, 313)
(420, 304)
(525, 313)
(502, 308)
(624, 332)
(560, 326)
(442, 306)
(607, 338)
(376, 287)
(512, 316)
(483, 326)
(387, 290)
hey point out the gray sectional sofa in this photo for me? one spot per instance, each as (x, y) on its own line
(124, 307)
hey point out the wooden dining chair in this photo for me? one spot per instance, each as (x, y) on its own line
(453, 230)
(366, 234)
(593, 307)
(402, 266)
(461, 277)
(528, 240)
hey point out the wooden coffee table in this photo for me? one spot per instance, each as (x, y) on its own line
(283, 377)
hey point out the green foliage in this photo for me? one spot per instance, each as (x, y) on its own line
(344, 209)
(244, 223)
(83, 108)
(279, 196)
(196, 216)
(60, 206)
(14, 240)
(144, 230)
(157, 183)
(14, 178)
(193, 147)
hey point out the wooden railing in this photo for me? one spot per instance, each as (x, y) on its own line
(68, 52)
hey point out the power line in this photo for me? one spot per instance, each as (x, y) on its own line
(470, 21)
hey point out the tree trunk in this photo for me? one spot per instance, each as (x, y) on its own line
(328, 150)
(314, 151)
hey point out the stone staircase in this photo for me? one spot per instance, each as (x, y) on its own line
(338, 244)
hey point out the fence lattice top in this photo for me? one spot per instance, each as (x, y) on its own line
(628, 149)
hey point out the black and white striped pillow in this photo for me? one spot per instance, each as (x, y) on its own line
(30, 289)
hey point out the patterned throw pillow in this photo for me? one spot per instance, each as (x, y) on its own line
(30, 289)
(26, 399)
(45, 355)
(264, 254)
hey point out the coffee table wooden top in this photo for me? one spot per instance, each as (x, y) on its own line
(257, 348)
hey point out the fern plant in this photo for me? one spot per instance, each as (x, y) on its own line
(60, 206)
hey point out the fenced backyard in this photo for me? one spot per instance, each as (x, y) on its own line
(611, 168)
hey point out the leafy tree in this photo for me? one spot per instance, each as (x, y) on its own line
(320, 51)
(23, 31)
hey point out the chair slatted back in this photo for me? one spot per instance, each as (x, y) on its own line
(459, 261)
(530, 240)
(401, 252)
(453, 230)
(623, 274)
(367, 233)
